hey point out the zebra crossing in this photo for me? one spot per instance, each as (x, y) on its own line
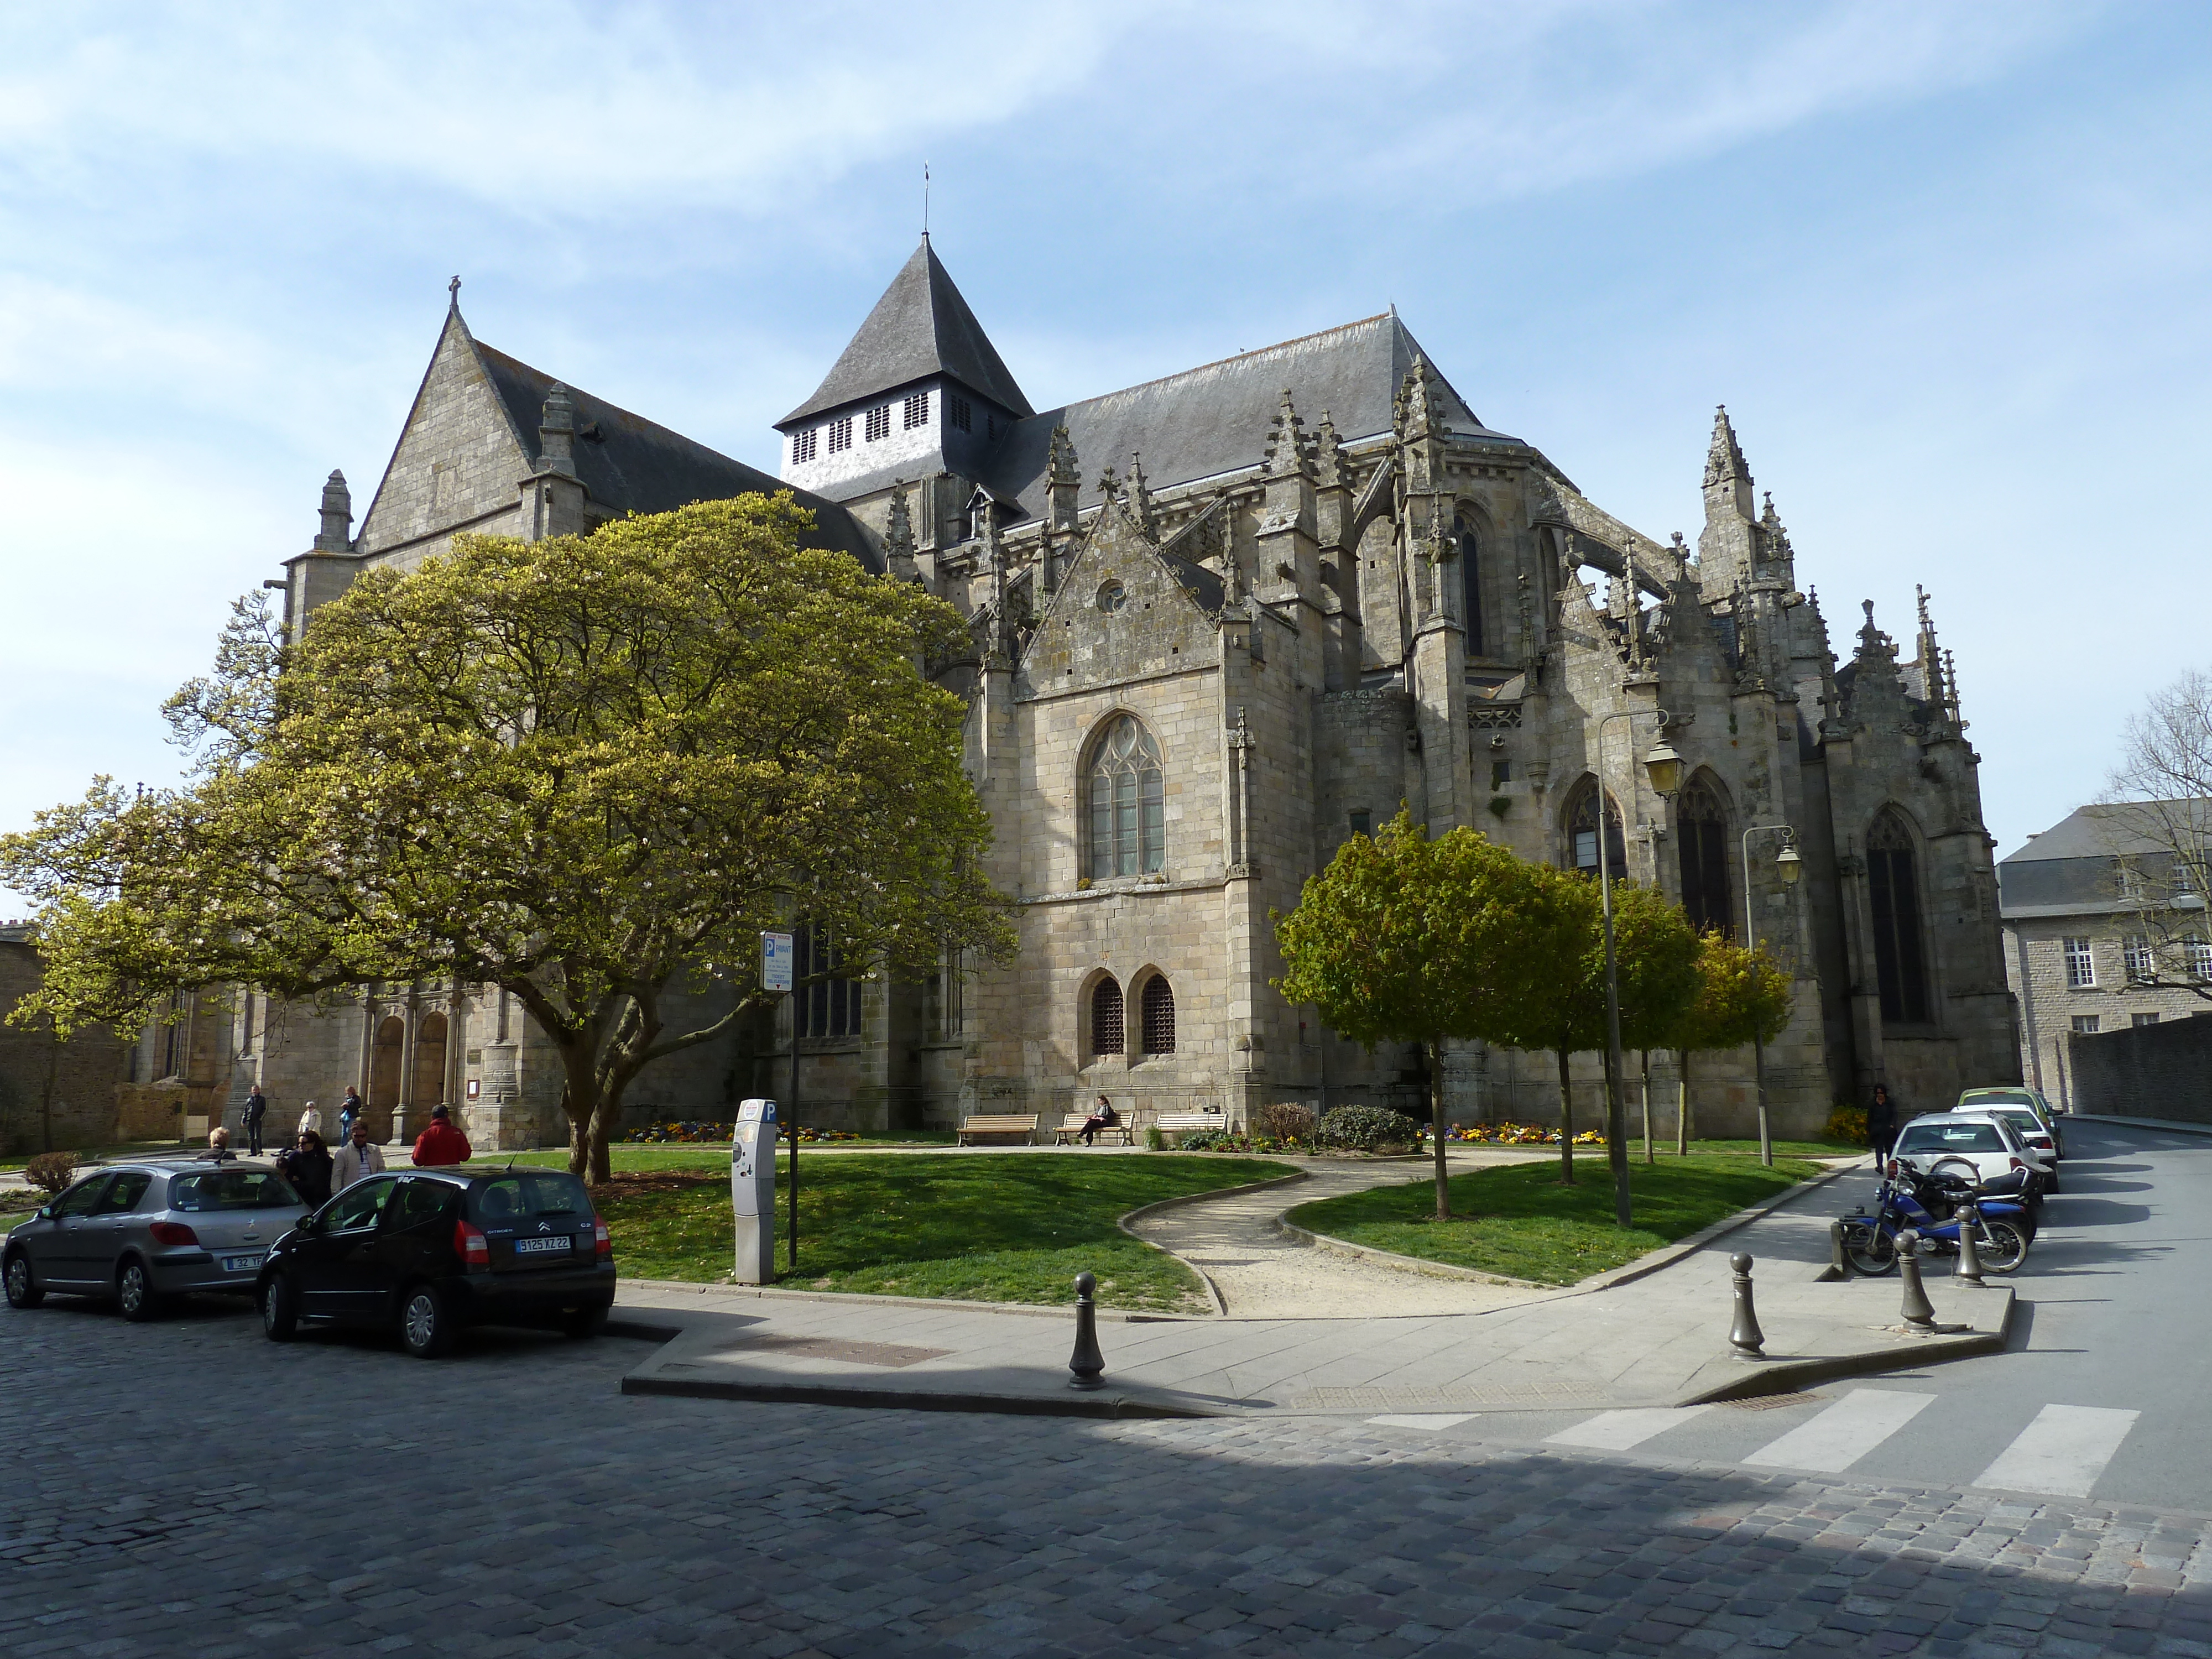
(2061, 1452)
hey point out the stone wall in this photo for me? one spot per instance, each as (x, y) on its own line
(2050, 1007)
(2162, 1071)
(57, 1095)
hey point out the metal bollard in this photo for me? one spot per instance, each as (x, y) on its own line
(1919, 1312)
(1970, 1258)
(1744, 1335)
(1087, 1364)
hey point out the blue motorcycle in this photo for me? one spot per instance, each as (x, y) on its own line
(1935, 1207)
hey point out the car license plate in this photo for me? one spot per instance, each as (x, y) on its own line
(242, 1264)
(558, 1244)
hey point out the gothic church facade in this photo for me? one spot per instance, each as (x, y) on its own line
(1218, 623)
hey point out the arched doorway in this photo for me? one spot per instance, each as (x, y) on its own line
(430, 1087)
(384, 1076)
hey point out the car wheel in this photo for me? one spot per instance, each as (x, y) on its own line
(2002, 1247)
(280, 1309)
(425, 1325)
(581, 1323)
(134, 1292)
(22, 1290)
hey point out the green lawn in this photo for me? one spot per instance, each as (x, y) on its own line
(1521, 1223)
(1009, 1229)
(89, 1156)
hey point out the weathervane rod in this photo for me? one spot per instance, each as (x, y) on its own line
(925, 200)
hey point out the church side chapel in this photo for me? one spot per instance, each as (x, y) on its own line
(1219, 623)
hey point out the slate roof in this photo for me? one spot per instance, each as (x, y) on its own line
(2068, 869)
(922, 327)
(632, 465)
(1216, 419)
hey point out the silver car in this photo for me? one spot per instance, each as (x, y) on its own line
(148, 1232)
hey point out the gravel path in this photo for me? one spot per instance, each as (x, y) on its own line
(1263, 1273)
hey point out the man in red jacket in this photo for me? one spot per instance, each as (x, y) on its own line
(441, 1143)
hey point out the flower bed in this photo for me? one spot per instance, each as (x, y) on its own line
(1518, 1135)
(695, 1133)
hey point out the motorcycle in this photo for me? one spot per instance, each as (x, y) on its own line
(1935, 1206)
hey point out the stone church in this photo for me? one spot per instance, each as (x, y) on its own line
(1218, 623)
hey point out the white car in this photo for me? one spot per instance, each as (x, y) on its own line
(1954, 1142)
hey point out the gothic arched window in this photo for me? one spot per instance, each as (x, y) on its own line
(1159, 1027)
(1128, 803)
(1894, 890)
(1581, 833)
(1106, 1018)
(1701, 836)
(1470, 572)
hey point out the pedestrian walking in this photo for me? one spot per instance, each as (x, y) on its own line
(359, 1156)
(1881, 1125)
(350, 1111)
(307, 1166)
(441, 1143)
(1102, 1117)
(257, 1108)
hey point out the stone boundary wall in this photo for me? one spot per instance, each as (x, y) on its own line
(2146, 1071)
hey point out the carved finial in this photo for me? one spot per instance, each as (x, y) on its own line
(556, 433)
(337, 514)
(1286, 445)
(898, 535)
(1140, 496)
(1920, 595)
(1328, 455)
(453, 294)
(1059, 461)
(1108, 485)
(1724, 460)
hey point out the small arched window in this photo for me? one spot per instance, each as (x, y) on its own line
(1106, 1018)
(1893, 894)
(1701, 837)
(1581, 833)
(1159, 1029)
(1470, 573)
(1128, 802)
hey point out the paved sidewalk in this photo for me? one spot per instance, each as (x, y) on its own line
(1660, 1341)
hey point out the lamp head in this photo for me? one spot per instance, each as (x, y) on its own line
(1665, 767)
(1790, 866)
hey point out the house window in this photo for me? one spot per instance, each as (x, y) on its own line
(2143, 1019)
(1501, 773)
(802, 444)
(1893, 888)
(829, 1007)
(1106, 1018)
(2080, 965)
(1470, 572)
(956, 414)
(1701, 837)
(2196, 956)
(840, 433)
(1158, 1015)
(1363, 822)
(917, 410)
(2128, 883)
(1127, 803)
(2135, 956)
(2085, 1024)
(880, 422)
(1581, 833)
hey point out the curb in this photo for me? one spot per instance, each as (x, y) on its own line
(2144, 1123)
(1213, 1289)
(1786, 1375)
(862, 1299)
(1106, 1406)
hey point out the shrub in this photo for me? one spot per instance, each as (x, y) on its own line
(1285, 1119)
(1847, 1123)
(1366, 1127)
(1211, 1140)
(1154, 1140)
(50, 1171)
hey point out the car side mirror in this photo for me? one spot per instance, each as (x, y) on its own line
(46, 1212)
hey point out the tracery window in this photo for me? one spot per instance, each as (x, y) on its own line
(1893, 887)
(1127, 803)
(1106, 1018)
(1470, 570)
(1581, 833)
(830, 1007)
(1159, 1024)
(1701, 837)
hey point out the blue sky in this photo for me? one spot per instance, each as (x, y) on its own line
(1947, 265)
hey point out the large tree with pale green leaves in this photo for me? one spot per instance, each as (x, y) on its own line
(1406, 940)
(589, 770)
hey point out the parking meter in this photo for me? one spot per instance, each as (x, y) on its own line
(752, 1191)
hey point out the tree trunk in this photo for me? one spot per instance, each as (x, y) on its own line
(1645, 1055)
(1566, 1120)
(1437, 1125)
(1682, 1102)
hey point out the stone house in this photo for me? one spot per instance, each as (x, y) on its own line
(1220, 622)
(2103, 931)
(54, 1095)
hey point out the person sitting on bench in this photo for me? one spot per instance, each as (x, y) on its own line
(1102, 1117)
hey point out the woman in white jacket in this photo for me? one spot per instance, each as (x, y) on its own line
(359, 1156)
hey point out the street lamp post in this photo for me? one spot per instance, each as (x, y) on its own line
(1665, 767)
(1790, 866)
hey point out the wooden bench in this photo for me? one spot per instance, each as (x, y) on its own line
(1072, 1125)
(1184, 1123)
(1003, 1124)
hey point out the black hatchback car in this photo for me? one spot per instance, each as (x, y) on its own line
(429, 1251)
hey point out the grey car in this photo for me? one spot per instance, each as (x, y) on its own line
(149, 1231)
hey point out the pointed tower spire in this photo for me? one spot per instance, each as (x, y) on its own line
(1725, 461)
(1728, 546)
(337, 514)
(1063, 480)
(1329, 470)
(1140, 495)
(1287, 443)
(898, 536)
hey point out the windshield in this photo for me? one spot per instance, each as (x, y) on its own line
(232, 1189)
(1975, 1099)
(1951, 1138)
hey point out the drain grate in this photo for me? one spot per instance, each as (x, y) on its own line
(1771, 1402)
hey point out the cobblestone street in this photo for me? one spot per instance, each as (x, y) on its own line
(190, 1487)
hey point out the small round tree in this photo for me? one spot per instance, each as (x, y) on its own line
(1742, 996)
